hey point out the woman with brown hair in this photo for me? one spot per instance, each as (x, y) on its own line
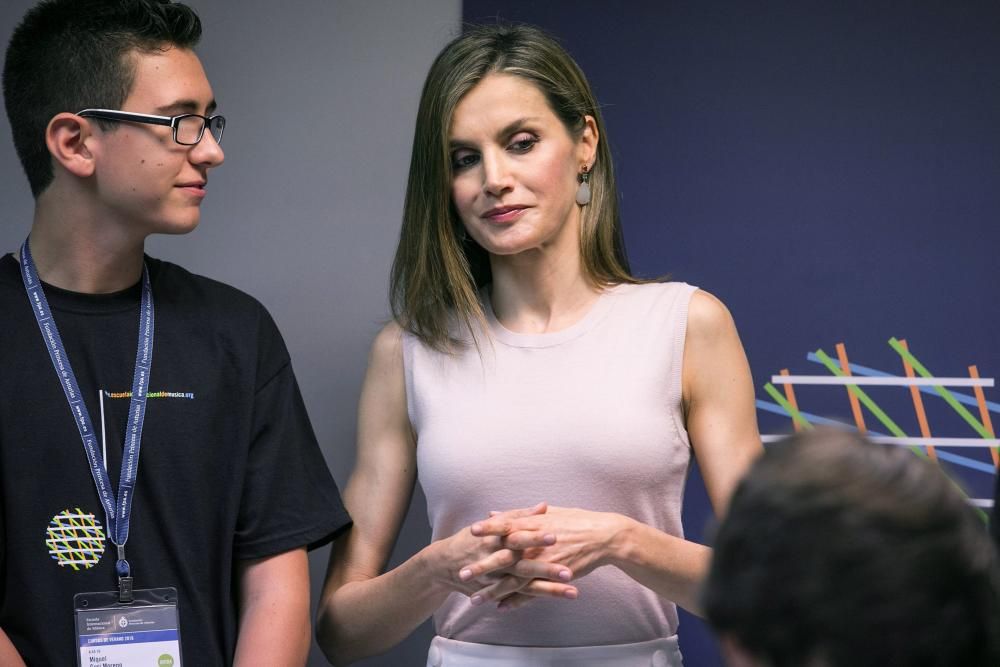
(525, 363)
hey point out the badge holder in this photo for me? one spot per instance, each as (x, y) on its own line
(142, 632)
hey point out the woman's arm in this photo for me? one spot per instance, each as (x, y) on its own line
(721, 423)
(363, 612)
(719, 408)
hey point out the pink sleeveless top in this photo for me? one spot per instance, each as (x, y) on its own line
(586, 417)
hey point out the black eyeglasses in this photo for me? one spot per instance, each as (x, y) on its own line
(188, 128)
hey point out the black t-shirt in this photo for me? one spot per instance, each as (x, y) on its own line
(229, 466)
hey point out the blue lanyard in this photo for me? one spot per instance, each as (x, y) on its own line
(117, 512)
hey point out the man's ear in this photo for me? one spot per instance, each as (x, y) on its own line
(66, 137)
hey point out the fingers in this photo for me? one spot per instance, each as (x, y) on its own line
(518, 600)
(540, 508)
(503, 525)
(493, 542)
(519, 540)
(536, 569)
(498, 591)
(497, 560)
(511, 586)
(513, 554)
(552, 589)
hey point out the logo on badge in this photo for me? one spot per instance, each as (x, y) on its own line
(75, 539)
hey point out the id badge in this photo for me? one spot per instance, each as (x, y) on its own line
(144, 632)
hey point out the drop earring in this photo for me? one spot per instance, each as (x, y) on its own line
(583, 192)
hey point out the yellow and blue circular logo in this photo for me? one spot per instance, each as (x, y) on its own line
(75, 539)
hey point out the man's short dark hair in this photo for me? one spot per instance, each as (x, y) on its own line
(68, 55)
(837, 551)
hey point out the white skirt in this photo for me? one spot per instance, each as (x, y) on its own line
(654, 653)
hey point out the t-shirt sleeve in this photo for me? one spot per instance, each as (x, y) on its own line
(289, 498)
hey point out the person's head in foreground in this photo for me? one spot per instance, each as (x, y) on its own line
(836, 551)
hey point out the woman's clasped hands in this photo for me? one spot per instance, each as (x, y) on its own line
(487, 566)
(535, 552)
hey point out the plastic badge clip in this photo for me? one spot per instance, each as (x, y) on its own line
(124, 578)
(125, 590)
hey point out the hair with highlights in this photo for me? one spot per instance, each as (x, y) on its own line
(437, 270)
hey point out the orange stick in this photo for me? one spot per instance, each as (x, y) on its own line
(984, 414)
(845, 366)
(790, 395)
(918, 405)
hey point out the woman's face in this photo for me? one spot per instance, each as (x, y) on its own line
(515, 166)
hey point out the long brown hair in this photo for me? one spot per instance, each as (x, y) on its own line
(438, 271)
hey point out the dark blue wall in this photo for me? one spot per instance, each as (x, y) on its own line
(829, 170)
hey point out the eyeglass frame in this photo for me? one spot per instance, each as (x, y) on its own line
(169, 121)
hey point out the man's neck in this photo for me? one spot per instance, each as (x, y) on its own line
(76, 253)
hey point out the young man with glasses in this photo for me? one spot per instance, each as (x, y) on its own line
(194, 553)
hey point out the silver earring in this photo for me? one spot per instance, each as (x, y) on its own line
(583, 192)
